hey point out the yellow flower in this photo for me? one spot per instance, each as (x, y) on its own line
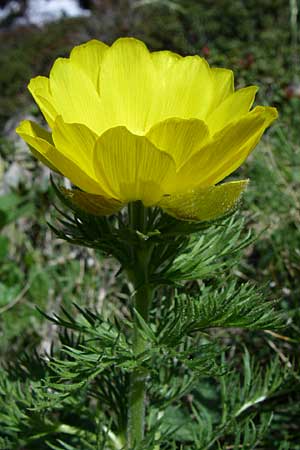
(131, 125)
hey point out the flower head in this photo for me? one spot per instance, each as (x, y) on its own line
(128, 125)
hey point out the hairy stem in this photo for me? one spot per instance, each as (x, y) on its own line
(139, 277)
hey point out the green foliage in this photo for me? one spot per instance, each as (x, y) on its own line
(13, 206)
(229, 306)
(88, 372)
(218, 247)
(43, 415)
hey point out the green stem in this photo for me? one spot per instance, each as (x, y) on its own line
(139, 276)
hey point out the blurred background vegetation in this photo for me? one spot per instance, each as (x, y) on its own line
(258, 39)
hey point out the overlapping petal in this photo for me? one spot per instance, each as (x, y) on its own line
(128, 124)
(223, 85)
(184, 89)
(88, 57)
(164, 61)
(41, 143)
(40, 90)
(226, 150)
(231, 109)
(204, 204)
(76, 142)
(75, 96)
(127, 84)
(131, 167)
(39, 140)
(180, 138)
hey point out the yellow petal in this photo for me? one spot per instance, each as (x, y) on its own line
(91, 203)
(131, 168)
(223, 82)
(88, 57)
(163, 61)
(127, 84)
(230, 164)
(36, 136)
(39, 89)
(226, 151)
(204, 204)
(37, 139)
(180, 138)
(184, 89)
(76, 142)
(234, 107)
(75, 95)
(234, 159)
